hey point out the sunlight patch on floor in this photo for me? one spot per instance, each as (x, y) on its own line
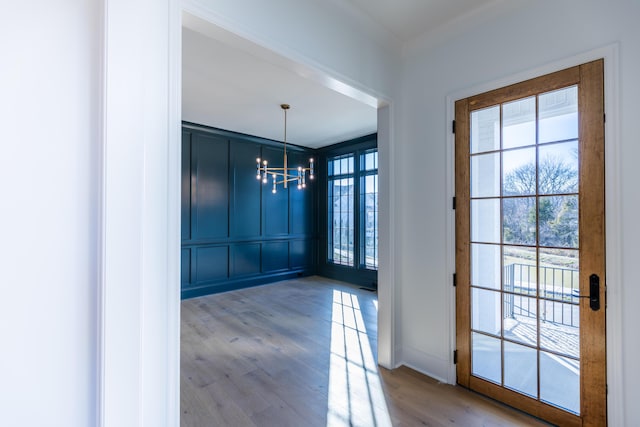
(355, 391)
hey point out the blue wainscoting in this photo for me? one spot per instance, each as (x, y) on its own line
(235, 231)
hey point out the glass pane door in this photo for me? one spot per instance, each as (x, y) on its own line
(530, 252)
(525, 250)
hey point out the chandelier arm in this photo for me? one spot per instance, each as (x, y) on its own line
(282, 171)
(286, 180)
(285, 174)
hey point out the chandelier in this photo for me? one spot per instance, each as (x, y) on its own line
(284, 174)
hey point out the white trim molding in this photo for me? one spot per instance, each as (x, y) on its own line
(613, 208)
(387, 344)
(427, 364)
(139, 305)
(174, 130)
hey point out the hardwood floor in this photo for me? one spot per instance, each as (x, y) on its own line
(303, 353)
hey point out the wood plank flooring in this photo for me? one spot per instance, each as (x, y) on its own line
(303, 353)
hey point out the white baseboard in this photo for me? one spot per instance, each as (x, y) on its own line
(427, 364)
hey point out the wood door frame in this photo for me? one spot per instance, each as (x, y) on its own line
(593, 393)
(610, 53)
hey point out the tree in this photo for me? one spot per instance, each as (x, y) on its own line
(555, 177)
(554, 220)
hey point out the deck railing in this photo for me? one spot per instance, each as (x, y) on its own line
(558, 290)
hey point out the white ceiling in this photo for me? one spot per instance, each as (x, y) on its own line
(231, 88)
(408, 19)
(231, 83)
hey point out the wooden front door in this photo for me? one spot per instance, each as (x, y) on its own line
(530, 241)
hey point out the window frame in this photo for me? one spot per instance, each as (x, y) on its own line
(358, 273)
(330, 246)
(362, 207)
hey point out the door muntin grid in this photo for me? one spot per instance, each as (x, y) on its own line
(525, 246)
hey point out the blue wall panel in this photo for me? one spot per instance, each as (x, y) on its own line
(300, 253)
(276, 206)
(210, 188)
(301, 201)
(245, 194)
(235, 231)
(275, 256)
(212, 263)
(245, 259)
(185, 265)
(186, 186)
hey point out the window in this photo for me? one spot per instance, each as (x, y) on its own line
(369, 208)
(352, 209)
(340, 209)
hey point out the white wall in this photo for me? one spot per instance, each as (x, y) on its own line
(49, 109)
(495, 46)
(89, 225)
(89, 164)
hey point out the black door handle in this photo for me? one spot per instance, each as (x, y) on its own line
(594, 292)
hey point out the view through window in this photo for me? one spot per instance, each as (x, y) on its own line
(341, 202)
(353, 209)
(369, 208)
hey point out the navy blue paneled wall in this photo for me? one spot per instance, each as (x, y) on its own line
(235, 231)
